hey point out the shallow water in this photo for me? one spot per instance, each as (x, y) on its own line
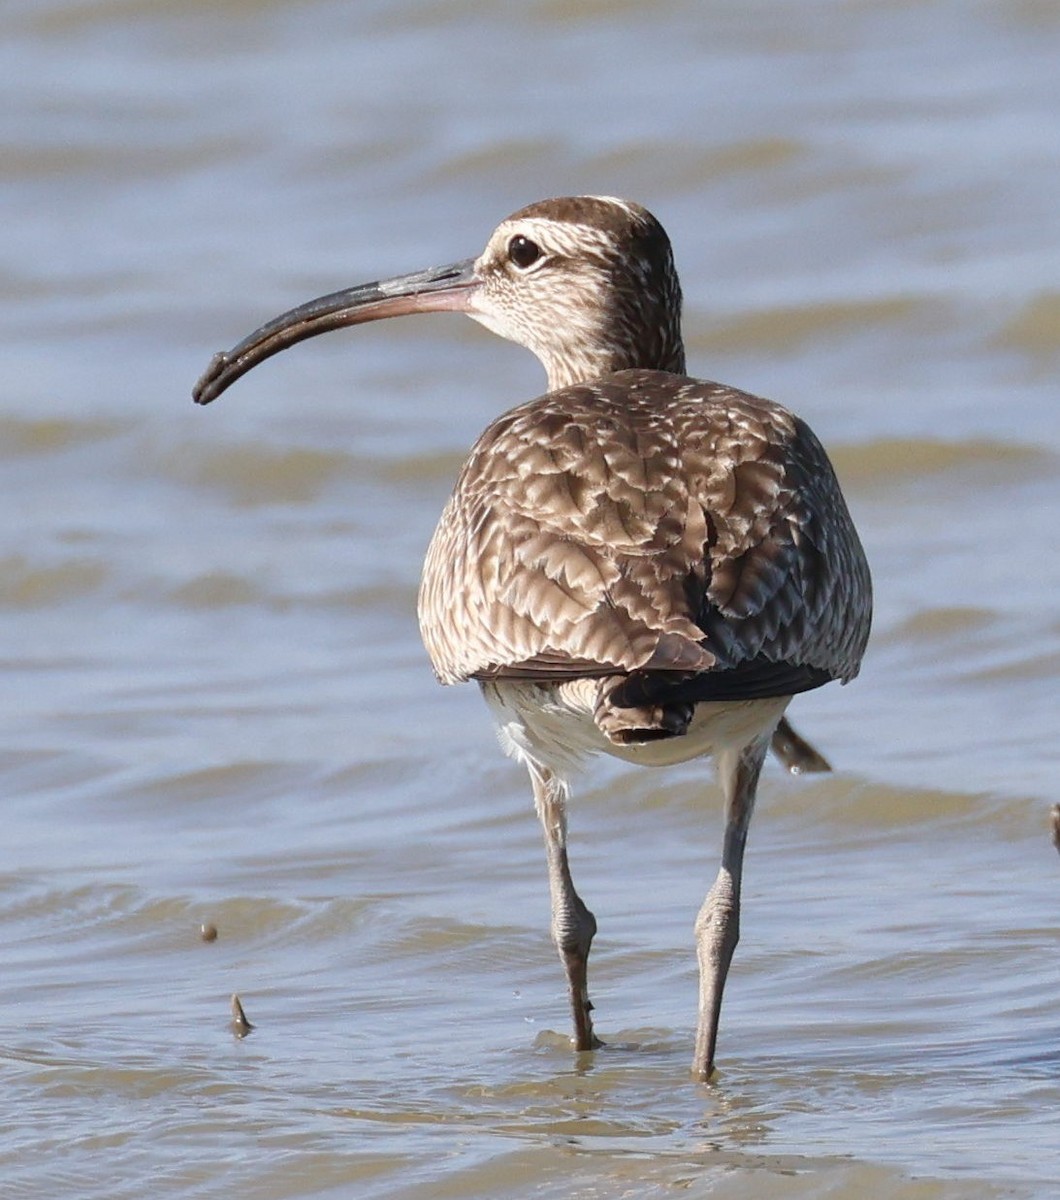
(216, 707)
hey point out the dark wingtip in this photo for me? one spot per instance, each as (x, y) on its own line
(795, 753)
(210, 384)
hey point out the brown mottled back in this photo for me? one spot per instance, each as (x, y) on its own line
(645, 522)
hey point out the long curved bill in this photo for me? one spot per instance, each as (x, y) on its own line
(439, 289)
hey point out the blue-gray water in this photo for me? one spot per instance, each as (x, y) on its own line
(216, 707)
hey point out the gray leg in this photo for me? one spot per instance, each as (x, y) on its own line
(573, 925)
(718, 923)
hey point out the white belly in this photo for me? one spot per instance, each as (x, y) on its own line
(552, 725)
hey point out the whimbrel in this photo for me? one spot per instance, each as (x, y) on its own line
(636, 563)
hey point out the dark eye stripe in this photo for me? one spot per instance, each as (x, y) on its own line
(523, 252)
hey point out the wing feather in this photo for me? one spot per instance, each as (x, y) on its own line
(647, 522)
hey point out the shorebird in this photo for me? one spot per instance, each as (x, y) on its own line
(636, 563)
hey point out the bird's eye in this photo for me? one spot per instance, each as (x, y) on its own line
(523, 252)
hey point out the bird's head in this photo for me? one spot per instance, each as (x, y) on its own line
(585, 282)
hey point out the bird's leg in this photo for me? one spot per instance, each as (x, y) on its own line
(718, 923)
(573, 925)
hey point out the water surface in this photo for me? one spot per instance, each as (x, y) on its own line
(216, 707)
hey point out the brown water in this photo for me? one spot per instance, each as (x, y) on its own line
(216, 708)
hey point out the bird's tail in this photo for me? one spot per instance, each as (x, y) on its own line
(627, 716)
